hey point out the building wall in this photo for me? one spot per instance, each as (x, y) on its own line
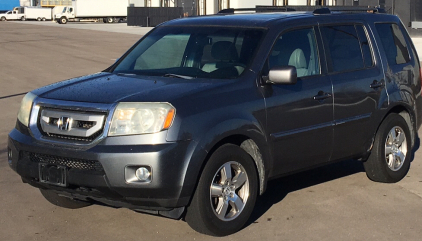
(249, 3)
(8, 4)
(299, 2)
(25, 3)
(407, 10)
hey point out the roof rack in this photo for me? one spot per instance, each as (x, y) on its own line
(325, 10)
(314, 9)
(258, 9)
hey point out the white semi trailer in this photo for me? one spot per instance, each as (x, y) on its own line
(108, 10)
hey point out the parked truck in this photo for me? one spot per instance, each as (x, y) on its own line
(36, 13)
(27, 13)
(12, 15)
(109, 11)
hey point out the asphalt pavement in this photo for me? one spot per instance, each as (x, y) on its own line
(335, 202)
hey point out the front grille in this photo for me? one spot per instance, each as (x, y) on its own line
(75, 138)
(67, 125)
(71, 163)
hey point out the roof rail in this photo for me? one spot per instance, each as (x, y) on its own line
(325, 10)
(257, 9)
(314, 9)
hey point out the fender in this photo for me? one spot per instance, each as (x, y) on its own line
(199, 150)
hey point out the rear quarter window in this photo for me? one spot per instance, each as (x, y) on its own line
(393, 43)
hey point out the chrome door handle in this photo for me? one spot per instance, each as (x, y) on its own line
(377, 84)
(322, 96)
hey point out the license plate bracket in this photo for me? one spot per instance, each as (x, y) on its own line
(52, 174)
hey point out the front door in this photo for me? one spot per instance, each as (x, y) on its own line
(300, 116)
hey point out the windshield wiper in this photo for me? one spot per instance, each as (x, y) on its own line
(178, 76)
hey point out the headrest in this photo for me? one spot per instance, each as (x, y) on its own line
(224, 50)
(297, 59)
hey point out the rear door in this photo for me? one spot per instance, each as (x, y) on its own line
(300, 116)
(358, 85)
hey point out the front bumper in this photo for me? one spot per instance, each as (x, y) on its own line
(104, 179)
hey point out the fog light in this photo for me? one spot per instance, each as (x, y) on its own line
(143, 174)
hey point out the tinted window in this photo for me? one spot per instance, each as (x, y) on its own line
(198, 52)
(393, 42)
(364, 44)
(343, 48)
(296, 48)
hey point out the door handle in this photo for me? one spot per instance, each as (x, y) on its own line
(377, 84)
(322, 96)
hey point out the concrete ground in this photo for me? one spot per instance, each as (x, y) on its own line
(336, 202)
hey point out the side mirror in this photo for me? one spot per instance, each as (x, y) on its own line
(283, 75)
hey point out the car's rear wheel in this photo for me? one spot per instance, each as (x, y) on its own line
(63, 202)
(3, 19)
(226, 193)
(390, 157)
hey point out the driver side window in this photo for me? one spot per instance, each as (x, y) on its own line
(296, 48)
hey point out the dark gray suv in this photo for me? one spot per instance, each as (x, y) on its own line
(198, 115)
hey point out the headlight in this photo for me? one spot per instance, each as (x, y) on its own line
(25, 110)
(141, 118)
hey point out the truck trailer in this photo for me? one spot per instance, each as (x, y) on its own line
(109, 11)
(36, 13)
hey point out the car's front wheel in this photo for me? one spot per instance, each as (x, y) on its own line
(63, 20)
(390, 157)
(226, 193)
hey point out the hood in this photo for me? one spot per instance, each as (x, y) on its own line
(111, 88)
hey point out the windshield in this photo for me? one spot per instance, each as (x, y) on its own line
(193, 52)
(64, 10)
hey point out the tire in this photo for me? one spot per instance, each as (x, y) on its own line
(110, 20)
(229, 207)
(39, 19)
(63, 20)
(63, 202)
(43, 19)
(389, 161)
(3, 19)
(23, 18)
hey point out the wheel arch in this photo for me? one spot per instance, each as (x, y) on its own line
(252, 141)
(404, 111)
(410, 119)
(250, 147)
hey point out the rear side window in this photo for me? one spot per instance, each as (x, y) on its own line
(393, 43)
(343, 48)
